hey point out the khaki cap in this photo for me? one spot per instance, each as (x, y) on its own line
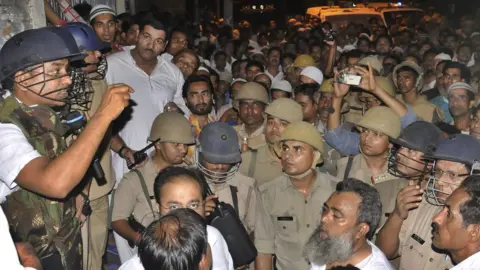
(304, 60)
(383, 120)
(303, 132)
(327, 86)
(253, 91)
(171, 127)
(373, 61)
(412, 65)
(285, 109)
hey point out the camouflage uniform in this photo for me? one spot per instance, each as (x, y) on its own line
(50, 226)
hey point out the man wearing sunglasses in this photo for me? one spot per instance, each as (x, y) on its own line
(407, 232)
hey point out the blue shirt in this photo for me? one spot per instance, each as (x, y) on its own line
(442, 103)
(348, 142)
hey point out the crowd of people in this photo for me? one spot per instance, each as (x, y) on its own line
(335, 148)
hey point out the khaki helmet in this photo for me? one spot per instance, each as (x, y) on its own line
(171, 127)
(373, 61)
(327, 86)
(253, 91)
(383, 120)
(306, 133)
(303, 60)
(385, 83)
(285, 109)
(414, 66)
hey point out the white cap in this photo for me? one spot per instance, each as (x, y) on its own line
(238, 80)
(201, 68)
(283, 85)
(442, 56)
(474, 34)
(313, 73)
(348, 48)
(461, 85)
(101, 9)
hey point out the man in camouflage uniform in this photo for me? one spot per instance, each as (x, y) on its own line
(38, 171)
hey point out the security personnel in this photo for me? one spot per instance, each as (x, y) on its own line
(289, 206)
(172, 134)
(261, 162)
(32, 147)
(293, 72)
(91, 77)
(251, 101)
(408, 79)
(377, 126)
(218, 158)
(407, 232)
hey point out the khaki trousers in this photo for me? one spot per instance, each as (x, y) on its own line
(95, 234)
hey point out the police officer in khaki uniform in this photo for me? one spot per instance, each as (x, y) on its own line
(289, 206)
(407, 232)
(377, 126)
(261, 162)
(218, 158)
(133, 198)
(251, 101)
(408, 79)
(92, 79)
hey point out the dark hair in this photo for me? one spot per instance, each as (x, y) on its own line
(447, 128)
(272, 49)
(417, 58)
(219, 53)
(83, 9)
(389, 38)
(347, 267)
(191, 52)
(470, 210)
(467, 45)
(170, 173)
(288, 55)
(179, 30)
(354, 54)
(429, 51)
(254, 63)
(262, 34)
(236, 66)
(194, 78)
(126, 21)
(214, 74)
(307, 89)
(464, 71)
(177, 240)
(153, 23)
(370, 208)
(451, 34)
(362, 38)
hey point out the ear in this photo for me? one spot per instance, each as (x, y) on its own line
(474, 233)
(363, 230)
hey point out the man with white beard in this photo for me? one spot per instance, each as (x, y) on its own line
(349, 219)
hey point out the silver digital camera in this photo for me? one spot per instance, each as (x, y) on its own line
(348, 78)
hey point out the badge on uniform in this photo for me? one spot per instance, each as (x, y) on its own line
(418, 239)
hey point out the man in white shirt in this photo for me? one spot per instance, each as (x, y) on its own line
(177, 240)
(178, 41)
(274, 69)
(456, 229)
(349, 218)
(158, 83)
(177, 187)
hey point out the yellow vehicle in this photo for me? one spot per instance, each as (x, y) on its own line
(340, 18)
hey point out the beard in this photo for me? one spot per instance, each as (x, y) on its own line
(196, 110)
(332, 249)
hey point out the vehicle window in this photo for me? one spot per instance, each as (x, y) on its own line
(411, 17)
(341, 21)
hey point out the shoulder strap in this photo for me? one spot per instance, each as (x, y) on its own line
(253, 163)
(348, 168)
(110, 212)
(247, 204)
(144, 188)
(234, 191)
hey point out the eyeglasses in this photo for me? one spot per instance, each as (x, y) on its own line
(450, 175)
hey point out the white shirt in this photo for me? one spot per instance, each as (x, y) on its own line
(471, 263)
(376, 261)
(151, 95)
(278, 77)
(15, 153)
(221, 257)
(167, 57)
(8, 253)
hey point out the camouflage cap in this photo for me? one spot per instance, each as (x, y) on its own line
(285, 109)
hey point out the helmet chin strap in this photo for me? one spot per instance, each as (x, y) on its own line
(316, 158)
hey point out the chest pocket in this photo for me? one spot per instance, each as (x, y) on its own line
(286, 228)
(420, 256)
